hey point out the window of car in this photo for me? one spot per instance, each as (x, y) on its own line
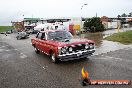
(59, 35)
(39, 35)
(43, 36)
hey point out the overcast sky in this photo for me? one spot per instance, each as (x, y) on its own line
(11, 10)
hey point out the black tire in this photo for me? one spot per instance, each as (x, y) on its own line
(53, 58)
(87, 58)
(36, 50)
(18, 38)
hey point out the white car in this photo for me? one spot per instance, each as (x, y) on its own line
(22, 35)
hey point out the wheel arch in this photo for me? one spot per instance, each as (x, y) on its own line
(33, 45)
(51, 51)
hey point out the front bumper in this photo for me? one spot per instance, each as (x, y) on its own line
(76, 55)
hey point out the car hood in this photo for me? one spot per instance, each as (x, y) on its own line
(69, 42)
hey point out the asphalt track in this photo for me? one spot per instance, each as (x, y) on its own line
(21, 67)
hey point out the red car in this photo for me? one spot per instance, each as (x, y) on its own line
(60, 45)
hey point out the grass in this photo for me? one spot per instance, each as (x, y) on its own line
(122, 37)
(4, 28)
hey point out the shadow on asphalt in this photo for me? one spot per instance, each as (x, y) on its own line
(76, 61)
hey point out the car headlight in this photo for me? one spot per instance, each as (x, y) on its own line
(63, 50)
(91, 46)
(70, 49)
(86, 46)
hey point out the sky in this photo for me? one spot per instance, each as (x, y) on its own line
(14, 10)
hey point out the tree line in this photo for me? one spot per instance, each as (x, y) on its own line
(125, 15)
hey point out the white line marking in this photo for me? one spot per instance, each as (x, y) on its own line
(114, 58)
(7, 50)
(22, 55)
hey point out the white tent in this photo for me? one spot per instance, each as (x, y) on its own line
(42, 26)
(50, 26)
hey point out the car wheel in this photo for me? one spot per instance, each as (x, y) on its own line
(53, 58)
(87, 58)
(36, 50)
(27, 36)
(18, 38)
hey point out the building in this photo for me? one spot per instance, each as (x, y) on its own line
(110, 23)
(18, 25)
(72, 23)
(104, 20)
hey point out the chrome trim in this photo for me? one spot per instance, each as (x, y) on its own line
(79, 52)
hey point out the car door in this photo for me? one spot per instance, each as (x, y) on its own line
(39, 41)
(45, 45)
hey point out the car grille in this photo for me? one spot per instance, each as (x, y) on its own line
(78, 47)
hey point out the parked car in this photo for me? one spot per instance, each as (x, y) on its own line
(2, 32)
(9, 31)
(35, 31)
(28, 31)
(31, 31)
(60, 45)
(22, 35)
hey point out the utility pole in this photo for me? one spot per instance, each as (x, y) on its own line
(81, 14)
(96, 14)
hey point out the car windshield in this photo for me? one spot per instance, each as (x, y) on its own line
(22, 33)
(59, 35)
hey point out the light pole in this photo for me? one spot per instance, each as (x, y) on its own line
(81, 14)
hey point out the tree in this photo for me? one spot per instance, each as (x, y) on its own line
(123, 21)
(94, 24)
(130, 14)
(119, 16)
(124, 15)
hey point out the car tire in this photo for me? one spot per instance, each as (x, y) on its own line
(36, 50)
(18, 38)
(53, 58)
(86, 58)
